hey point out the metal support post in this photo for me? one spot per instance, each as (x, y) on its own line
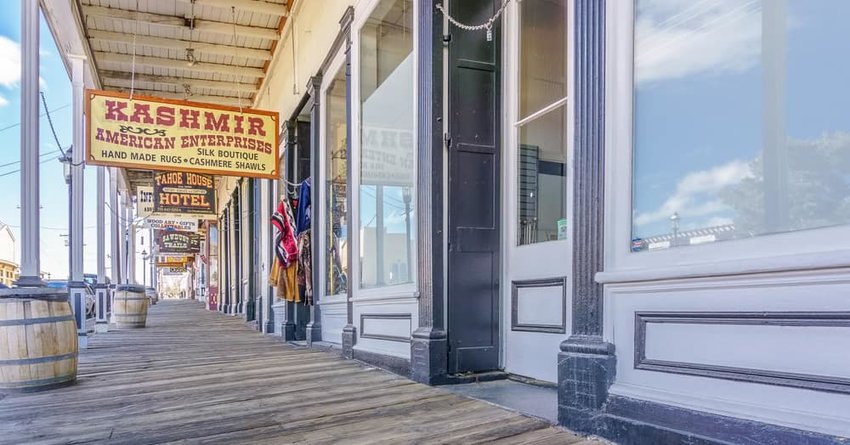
(30, 218)
(76, 285)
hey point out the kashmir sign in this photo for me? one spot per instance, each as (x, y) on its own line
(388, 157)
(183, 193)
(161, 134)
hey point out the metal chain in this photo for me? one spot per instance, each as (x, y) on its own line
(488, 25)
(238, 91)
(133, 67)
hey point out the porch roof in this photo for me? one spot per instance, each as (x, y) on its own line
(209, 51)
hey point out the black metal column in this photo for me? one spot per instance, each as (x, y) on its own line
(314, 89)
(586, 364)
(287, 322)
(428, 346)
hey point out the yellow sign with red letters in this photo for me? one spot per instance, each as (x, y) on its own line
(162, 134)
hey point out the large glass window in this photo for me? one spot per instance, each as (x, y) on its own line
(387, 158)
(336, 191)
(542, 155)
(740, 121)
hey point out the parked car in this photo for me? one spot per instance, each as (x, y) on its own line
(63, 285)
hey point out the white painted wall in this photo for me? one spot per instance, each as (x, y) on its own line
(819, 351)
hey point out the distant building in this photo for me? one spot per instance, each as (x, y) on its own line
(685, 238)
(9, 267)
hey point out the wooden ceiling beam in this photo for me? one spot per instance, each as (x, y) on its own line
(180, 45)
(123, 78)
(199, 67)
(201, 25)
(193, 89)
(262, 7)
(218, 100)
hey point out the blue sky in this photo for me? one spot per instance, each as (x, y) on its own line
(54, 193)
(699, 100)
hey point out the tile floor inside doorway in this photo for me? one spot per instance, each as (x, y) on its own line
(531, 400)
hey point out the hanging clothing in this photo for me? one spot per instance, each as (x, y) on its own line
(290, 283)
(286, 248)
(303, 218)
(305, 265)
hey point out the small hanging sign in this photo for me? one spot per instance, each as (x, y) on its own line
(184, 193)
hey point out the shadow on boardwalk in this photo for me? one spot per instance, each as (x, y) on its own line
(196, 376)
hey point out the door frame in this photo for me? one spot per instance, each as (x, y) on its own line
(510, 139)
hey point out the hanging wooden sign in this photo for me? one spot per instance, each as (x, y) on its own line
(177, 242)
(162, 134)
(144, 200)
(167, 221)
(184, 193)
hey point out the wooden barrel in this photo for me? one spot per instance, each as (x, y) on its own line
(151, 293)
(131, 306)
(38, 340)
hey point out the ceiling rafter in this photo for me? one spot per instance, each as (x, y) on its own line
(201, 25)
(123, 78)
(180, 45)
(219, 100)
(262, 7)
(199, 67)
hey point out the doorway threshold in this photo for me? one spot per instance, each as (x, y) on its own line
(532, 400)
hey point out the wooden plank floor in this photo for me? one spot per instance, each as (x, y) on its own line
(194, 376)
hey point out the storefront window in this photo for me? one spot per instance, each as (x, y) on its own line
(336, 191)
(740, 126)
(387, 159)
(542, 127)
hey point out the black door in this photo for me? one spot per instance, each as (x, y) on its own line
(474, 191)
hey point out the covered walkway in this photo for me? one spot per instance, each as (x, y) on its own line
(203, 377)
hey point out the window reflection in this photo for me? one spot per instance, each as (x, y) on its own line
(740, 127)
(336, 187)
(387, 168)
(542, 186)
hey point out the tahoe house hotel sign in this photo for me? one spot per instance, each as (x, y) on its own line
(183, 193)
(160, 134)
(161, 221)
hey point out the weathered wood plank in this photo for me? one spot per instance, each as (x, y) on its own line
(194, 376)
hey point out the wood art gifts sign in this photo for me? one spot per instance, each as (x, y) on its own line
(183, 193)
(160, 134)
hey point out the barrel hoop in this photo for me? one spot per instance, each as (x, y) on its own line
(27, 321)
(42, 382)
(35, 360)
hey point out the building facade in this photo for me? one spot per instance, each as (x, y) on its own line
(641, 203)
(515, 204)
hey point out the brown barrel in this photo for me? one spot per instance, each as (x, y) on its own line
(131, 306)
(38, 340)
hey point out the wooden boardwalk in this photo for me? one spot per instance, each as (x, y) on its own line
(194, 376)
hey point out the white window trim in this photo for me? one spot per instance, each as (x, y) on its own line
(328, 78)
(802, 250)
(361, 16)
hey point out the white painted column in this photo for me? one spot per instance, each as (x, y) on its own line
(76, 286)
(125, 237)
(131, 228)
(30, 218)
(115, 228)
(102, 291)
